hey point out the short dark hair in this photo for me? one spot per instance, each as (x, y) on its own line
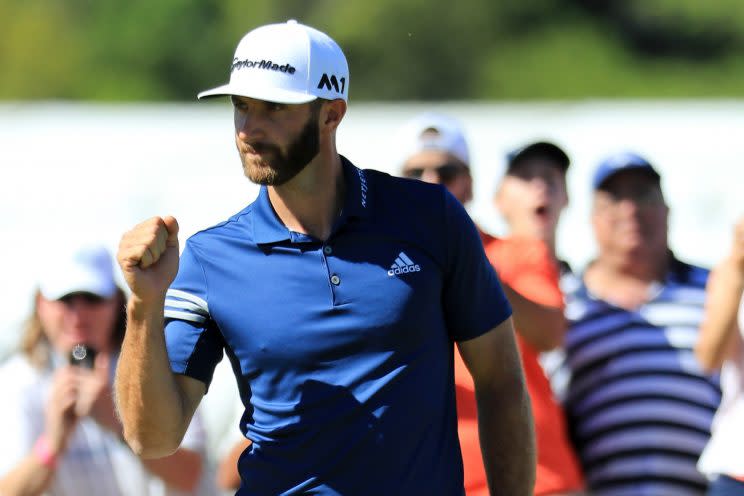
(539, 149)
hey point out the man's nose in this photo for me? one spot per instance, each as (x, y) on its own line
(76, 311)
(539, 185)
(628, 206)
(248, 124)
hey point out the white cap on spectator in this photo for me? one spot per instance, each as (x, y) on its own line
(286, 63)
(431, 131)
(86, 269)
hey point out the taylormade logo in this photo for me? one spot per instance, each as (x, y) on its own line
(263, 64)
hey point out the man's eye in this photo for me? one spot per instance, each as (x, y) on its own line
(277, 106)
(238, 104)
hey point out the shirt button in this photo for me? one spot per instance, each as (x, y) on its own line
(327, 250)
(335, 280)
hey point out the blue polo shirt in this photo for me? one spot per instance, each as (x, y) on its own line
(343, 349)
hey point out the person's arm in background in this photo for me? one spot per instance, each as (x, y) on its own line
(530, 278)
(505, 422)
(155, 404)
(33, 474)
(228, 477)
(719, 330)
(77, 393)
(543, 326)
(30, 477)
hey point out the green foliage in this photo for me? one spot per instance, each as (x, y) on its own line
(413, 49)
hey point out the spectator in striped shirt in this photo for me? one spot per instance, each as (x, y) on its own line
(639, 405)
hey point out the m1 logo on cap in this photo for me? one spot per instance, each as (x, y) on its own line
(327, 83)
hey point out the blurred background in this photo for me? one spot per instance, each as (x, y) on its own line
(99, 127)
(431, 50)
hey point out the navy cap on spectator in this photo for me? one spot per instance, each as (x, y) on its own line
(540, 149)
(620, 162)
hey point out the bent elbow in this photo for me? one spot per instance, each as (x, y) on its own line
(147, 448)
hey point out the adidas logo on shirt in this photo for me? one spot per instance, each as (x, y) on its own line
(403, 265)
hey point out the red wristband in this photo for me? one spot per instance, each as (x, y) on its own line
(43, 452)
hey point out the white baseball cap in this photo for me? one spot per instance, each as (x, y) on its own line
(286, 63)
(87, 269)
(432, 131)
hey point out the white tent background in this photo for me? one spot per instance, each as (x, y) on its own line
(76, 172)
(88, 172)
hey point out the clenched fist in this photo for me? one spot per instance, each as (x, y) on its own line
(148, 256)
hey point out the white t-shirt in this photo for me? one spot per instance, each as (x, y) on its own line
(723, 454)
(96, 461)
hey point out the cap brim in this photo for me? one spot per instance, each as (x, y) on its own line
(276, 95)
(603, 178)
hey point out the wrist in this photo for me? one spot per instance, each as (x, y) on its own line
(45, 452)
(141, 309)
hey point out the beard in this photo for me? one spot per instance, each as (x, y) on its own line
(270, 166)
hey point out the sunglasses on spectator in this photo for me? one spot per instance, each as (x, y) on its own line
(445, 172)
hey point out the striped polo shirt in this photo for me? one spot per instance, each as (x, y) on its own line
(638, 404)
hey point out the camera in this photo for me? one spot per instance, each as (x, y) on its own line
(82, 356)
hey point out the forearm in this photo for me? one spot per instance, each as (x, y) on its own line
(718, 330)
(181, 470)
(507, 438)
(29, 478)
(540, 325)
(148, 397)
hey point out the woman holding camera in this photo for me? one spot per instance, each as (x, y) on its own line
(60, 433)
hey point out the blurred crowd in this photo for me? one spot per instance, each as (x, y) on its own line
(634, 364)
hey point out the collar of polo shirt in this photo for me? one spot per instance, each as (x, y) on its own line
(267, 228)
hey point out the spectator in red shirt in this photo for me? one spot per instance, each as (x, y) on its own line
(437, 152)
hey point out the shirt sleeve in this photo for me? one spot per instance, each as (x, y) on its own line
(192, 338)
(473, 300)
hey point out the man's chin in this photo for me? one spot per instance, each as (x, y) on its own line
(260, 177)
(259, 171)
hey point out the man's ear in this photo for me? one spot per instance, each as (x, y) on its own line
(331, 114)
